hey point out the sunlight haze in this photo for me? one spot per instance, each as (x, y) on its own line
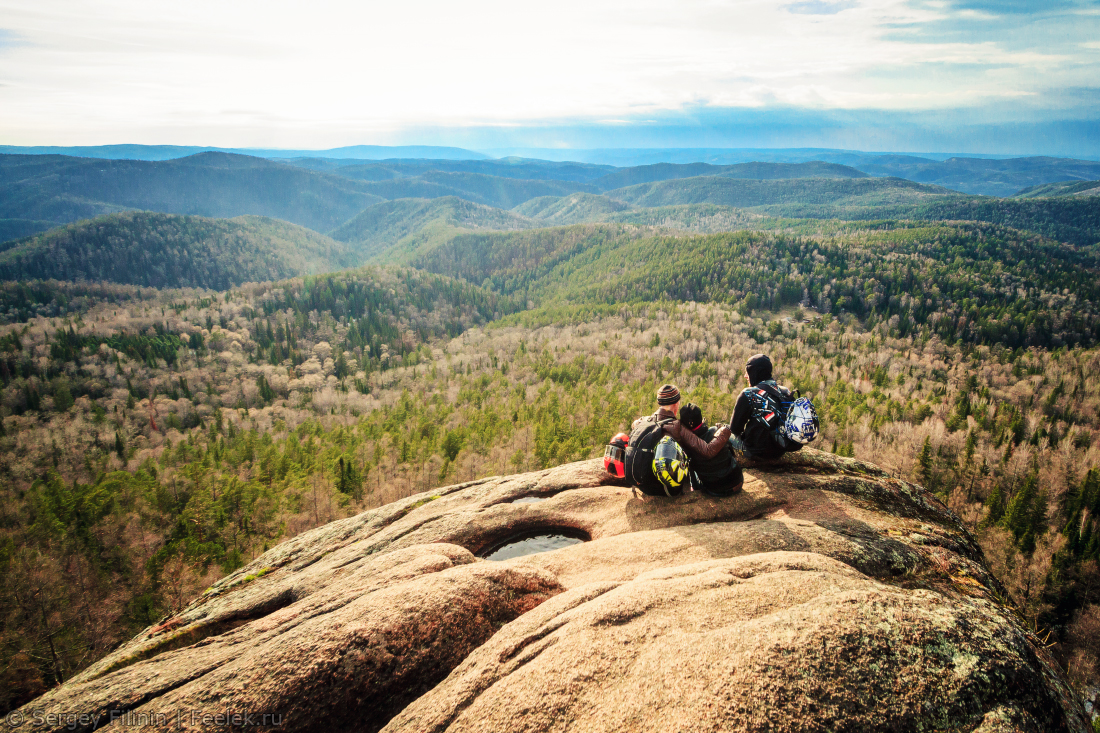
(338, 73)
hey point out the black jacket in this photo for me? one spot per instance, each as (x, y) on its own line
(758, 442)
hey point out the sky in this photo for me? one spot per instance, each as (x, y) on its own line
(913, 75)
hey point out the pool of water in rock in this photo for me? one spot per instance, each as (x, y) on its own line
(533, 545)
(530, 500)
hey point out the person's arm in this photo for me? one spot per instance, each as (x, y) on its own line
(742, 411)
(696, 445)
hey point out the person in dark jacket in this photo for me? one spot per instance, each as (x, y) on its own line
(668, 407)
(717, 476)
(751, 440)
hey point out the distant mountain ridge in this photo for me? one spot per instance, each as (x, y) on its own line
(990, 175)
(64, 189)
(61, 189)
(749, 193)
(521, 168)
(37, 191)
(986, 175)
(171, 152)
(503, 193)
(757, 170)
(173, 251)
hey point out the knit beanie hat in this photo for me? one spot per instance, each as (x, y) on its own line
(668, 395)
(691, 416)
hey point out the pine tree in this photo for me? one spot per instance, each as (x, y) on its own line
(267, 394)
(348, 479)
(995, 503)
(1072, 533)
(1026, 513)
(924, 463)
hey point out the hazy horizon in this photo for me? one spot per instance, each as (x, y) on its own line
(618, 157)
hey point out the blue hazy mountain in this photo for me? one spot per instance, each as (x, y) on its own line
(63, 189)
(520, 168)
(986, 175)
(171, 152)
(40, 191)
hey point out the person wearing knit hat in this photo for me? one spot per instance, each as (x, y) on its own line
(750, 440)
(667, 395)
(668, 405)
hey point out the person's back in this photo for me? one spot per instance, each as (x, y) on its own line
(752, 439)
(718, 474)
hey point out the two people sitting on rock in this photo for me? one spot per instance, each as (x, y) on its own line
(661, 447)
(673, 449)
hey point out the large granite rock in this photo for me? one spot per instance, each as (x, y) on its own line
(826, 596)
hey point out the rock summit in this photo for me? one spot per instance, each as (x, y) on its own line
(826, 596)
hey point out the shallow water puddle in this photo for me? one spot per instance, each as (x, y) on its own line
(532, 545)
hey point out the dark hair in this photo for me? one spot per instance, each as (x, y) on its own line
(691, 417)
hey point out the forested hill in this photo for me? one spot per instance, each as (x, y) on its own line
(510, 262)
(1066, 218)
(170, 251)
(385, 225)
(1070, 219)
(801, 191)
(979, 283)
(62, 189)
(1062, 189)
(480, 188)
(520, 168)
(758, 170)
(575, 208)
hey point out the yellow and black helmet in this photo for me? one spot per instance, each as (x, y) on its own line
(670, 466)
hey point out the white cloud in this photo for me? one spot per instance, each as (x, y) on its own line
(327, 73)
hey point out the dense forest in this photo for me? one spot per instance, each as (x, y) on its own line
(1066, 219)
(972, 282)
